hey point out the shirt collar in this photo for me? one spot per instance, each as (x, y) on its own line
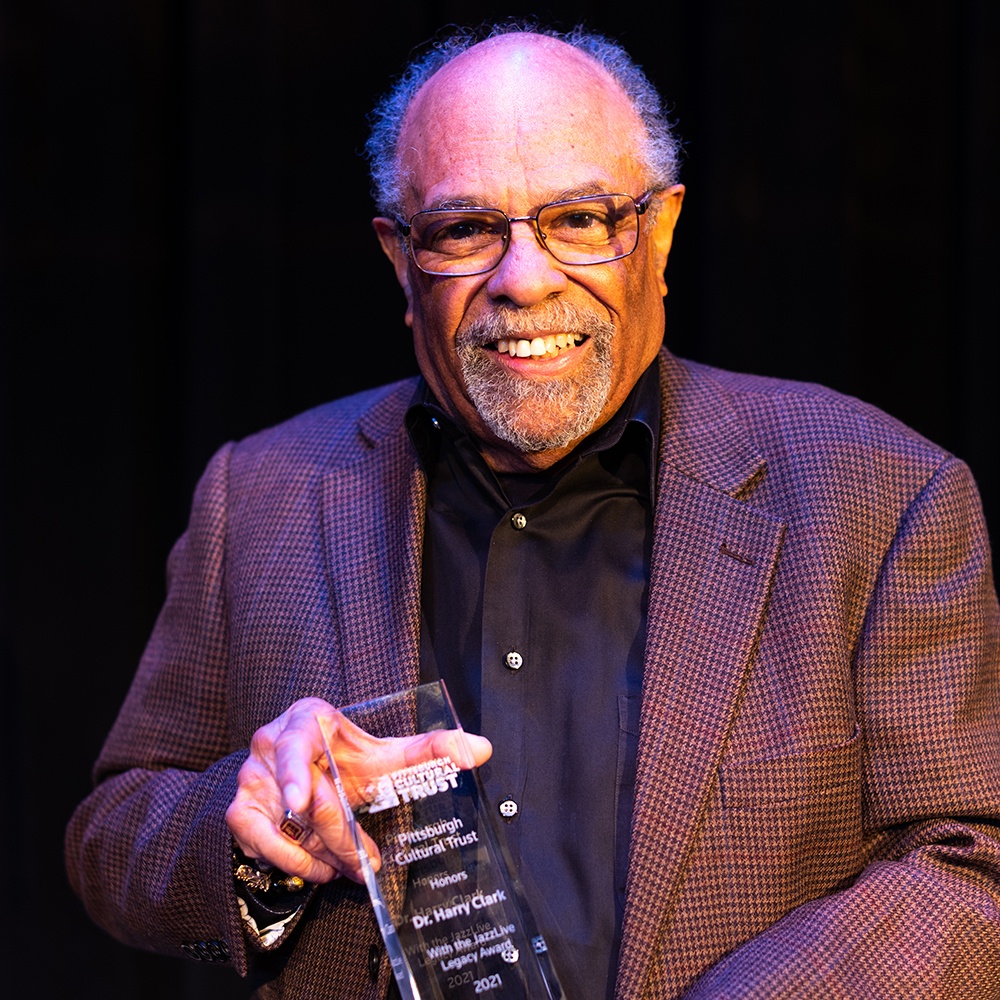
(639, 414)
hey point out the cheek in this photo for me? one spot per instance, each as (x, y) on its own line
(641, 321)
(440, 307)
(437, 316)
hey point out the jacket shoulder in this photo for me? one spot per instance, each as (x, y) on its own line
(805, 414)
(329, 436)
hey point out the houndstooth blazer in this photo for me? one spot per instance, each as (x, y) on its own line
(818, 786)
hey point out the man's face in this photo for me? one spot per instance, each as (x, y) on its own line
(514, 124)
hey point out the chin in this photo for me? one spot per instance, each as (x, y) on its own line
(533, 428)
(533, 415)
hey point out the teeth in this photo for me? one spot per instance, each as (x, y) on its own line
(539, 347)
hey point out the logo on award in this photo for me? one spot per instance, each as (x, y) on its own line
(419, 781)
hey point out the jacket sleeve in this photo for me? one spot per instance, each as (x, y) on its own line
(922, 919)
(149, 851)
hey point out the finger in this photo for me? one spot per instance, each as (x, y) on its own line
(259, 837)
(362, 758)
(255, 802)
(255, 819)
(296, 749)
(374, 856)
(465, 749)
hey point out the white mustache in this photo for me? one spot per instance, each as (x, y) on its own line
(556, 317)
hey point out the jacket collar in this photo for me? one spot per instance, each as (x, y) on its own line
(703, 436)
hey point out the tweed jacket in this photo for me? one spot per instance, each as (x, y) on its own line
(818, 788)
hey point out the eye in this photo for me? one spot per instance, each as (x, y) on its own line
(452, 233)
(581, 219)
(586, 220)
(590, 222)
(464, 229)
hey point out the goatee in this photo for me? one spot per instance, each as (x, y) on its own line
(538, 414)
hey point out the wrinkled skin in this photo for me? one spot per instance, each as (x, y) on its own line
(287, 769)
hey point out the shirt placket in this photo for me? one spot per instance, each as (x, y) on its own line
(507, 666)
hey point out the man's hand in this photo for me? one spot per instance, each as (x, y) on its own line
(286, 769)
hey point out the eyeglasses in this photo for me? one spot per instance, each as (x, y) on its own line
(594, 229)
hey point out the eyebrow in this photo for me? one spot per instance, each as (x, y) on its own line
(471, 201)
(460, 202)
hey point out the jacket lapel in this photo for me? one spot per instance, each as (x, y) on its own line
(714, 559)
(373, 512)
(373, 516)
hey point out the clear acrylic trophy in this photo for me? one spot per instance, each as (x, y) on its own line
(449, 904)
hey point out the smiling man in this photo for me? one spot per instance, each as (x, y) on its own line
(543, 138)
(732, 642)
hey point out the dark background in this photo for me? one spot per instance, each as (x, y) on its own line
(186, 257)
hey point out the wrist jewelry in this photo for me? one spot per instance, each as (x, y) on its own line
(261, 877)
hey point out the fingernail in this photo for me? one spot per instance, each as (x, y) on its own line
(469, 742)
(293, 798)
(487, 748)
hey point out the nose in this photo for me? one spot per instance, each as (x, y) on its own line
(528, 273)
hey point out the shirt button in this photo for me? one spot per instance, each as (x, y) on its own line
(513, 660)
(518, 521)
(508, 809)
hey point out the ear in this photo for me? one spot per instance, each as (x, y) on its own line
(388, 236)
(663, 229)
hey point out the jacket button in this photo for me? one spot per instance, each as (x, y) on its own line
(374, 959)
(217, 951)
(206, 951)
(518, 521)
(514, 660)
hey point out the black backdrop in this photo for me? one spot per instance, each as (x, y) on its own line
(186, 257)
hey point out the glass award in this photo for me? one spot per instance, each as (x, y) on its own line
(450, 906)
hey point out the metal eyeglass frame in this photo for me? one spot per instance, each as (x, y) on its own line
(640, 205)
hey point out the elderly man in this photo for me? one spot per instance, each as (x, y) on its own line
(733, 641)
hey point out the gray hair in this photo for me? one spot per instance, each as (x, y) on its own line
(661, 151)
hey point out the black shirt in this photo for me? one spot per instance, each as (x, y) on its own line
(534, 600)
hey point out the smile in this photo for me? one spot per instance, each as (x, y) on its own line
(539, 347)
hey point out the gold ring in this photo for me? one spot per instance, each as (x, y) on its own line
(294, 827)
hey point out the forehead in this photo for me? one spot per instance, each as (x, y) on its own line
(516, 121)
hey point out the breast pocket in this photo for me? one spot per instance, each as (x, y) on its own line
(792, 826)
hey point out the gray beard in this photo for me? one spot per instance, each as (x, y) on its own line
(537, 415)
